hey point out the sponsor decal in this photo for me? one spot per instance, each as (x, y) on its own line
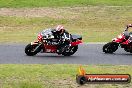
(83, 78)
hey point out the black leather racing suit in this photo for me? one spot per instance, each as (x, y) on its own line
(61, 42)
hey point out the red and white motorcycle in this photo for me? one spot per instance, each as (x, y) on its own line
(124, 40)
(46, 43)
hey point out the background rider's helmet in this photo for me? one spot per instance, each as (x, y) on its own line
(129, 25)
(60, 29)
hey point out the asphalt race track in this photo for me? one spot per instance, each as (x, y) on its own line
(86, 54)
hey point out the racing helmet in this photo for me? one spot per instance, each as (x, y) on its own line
(60, 28)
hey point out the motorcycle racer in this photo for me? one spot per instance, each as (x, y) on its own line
(127, 33)
(58, 33)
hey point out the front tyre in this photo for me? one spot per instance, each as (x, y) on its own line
(110, 47)
(29, 50)
(72, 50)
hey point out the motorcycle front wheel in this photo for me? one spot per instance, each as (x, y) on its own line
(29, 50)
(110, 47)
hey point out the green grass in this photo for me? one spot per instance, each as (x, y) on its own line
(94, 23)
(55, 76)
(17, 29)
(60, 3)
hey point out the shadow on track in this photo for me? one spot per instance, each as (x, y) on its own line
(119, 54)
(47, 56)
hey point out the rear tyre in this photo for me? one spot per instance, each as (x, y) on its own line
(127, 50)
(110, 47)
(29, 50)
(72, 50)
(130, 50)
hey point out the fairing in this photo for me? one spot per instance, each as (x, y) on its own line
(119, 39)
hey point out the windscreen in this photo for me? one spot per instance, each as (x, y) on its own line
(47, 34)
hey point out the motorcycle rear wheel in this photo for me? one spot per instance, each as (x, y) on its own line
(74, 49)
(110, 47)
(127, 50)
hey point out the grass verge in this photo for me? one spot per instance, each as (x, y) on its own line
(94, 23)
(55, 76)
(60, 3)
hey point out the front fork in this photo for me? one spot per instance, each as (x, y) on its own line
(39, 46)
